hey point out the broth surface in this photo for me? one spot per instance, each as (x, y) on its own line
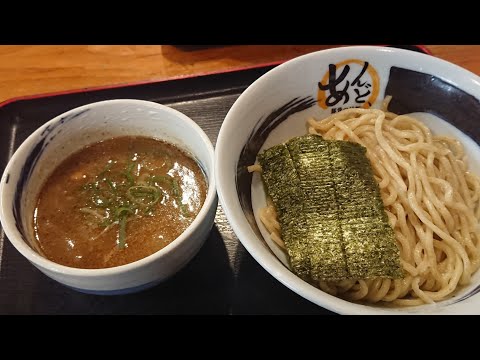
(117, 201)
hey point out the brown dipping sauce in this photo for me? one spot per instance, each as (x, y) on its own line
(117, 201)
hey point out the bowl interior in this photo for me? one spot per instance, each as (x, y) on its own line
(276, 107)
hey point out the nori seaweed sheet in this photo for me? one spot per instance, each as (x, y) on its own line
(330, 210)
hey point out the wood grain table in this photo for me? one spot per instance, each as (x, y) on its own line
(39, 69)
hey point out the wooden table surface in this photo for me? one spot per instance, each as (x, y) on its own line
(39, 69)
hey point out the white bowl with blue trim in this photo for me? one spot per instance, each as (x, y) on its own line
(48, 146)
(275, 108)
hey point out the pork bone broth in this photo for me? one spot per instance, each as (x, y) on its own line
(117, 201)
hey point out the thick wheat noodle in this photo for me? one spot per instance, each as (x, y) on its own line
(432, 203)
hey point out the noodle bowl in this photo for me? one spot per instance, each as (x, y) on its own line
(428, 188)
(431, 200)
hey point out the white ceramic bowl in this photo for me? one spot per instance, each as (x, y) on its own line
(275, 108)
(67, 133)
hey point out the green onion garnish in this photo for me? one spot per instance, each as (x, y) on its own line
(144, 195)
(122, 231)
(115, 195)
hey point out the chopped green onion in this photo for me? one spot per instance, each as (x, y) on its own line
(140, 192)
(160, 179)
(112, 186)
(119, 194)
(176, 191)
(119, 211)
(128, 174)
(122, 232)
(105, 169)
(184, 210)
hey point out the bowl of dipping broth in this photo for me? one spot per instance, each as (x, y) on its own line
(351, 175)
(111, 197)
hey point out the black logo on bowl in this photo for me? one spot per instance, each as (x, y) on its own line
(350, 83)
